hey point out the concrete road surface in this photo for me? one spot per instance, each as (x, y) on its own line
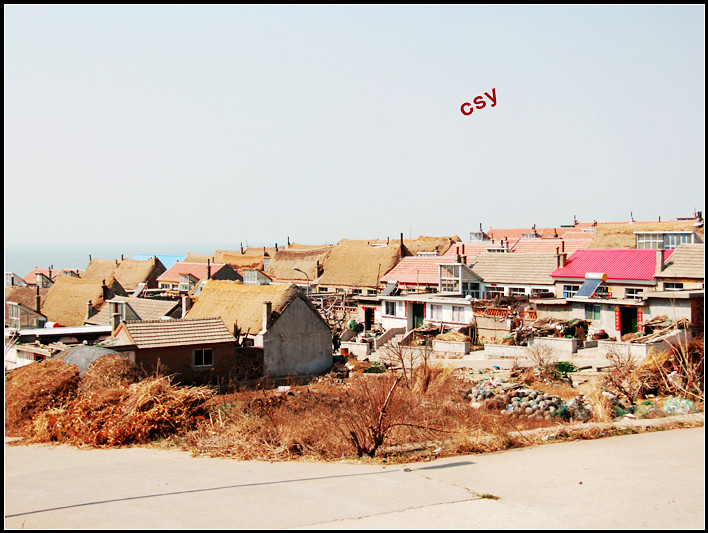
(643, 481)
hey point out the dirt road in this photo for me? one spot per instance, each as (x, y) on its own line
(648, 481)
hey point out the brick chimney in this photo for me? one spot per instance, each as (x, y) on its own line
(38, 301)
(208, 269)
(89, 309)
(660, 261)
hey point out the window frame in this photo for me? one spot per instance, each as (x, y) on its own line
(203, 351)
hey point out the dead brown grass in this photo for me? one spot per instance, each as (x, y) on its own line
(33, 389)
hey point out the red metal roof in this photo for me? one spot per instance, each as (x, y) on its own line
(525, 246)
(616, 263)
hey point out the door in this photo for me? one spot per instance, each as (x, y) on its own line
(628, 320)
(418, 315)
(368, 318)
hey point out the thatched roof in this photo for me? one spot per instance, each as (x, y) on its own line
(281, 266)
(131, 272)
(622, 235)
(241, 304)
(359, 266)
(67, 299)
(298, 246)
(199, 258)
(430, 244)
(100, 269)
(251, 258)
(26, 296)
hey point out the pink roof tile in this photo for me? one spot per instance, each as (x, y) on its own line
(549, 245)
(416, 269)
(198, 270)
(626, 264)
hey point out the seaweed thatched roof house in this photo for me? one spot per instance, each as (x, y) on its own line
(309, 262)
(128, 272)
(71, 300)
(280, 320)
(353, 268)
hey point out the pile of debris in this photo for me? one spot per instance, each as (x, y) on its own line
(656, 328)
(548, 327)
(97, 403)
(515, 400)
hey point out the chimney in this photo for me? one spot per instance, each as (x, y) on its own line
(89, 309)
(317, 268)
(38, 301)
(276, 247)
(267, 309)
(104, 290)
(121, 257)
(660, 261)
(458, 258)
(463, 249)
(241, 248)
(558, 257)
(464, 259)
(208, 269)
(563, 259)
(563, 246)
(288, 242)
(115, 321)
(186, 305)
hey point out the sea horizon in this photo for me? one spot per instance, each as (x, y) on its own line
(22, 259)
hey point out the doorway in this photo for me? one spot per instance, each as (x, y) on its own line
(628, 320)
(418, 313)
(368, 318)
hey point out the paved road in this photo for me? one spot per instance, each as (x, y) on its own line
(643, 481)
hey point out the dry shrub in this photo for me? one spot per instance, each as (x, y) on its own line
(144, 411)
(35, 388)
(108, 371)
(680, 371)
(626, 377)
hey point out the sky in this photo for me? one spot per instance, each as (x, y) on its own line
(228, 124)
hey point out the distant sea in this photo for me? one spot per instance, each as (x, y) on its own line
(23, 259)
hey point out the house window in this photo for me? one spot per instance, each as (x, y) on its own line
(603, 291)
(515, 291)
(570, 290)
(203, 357)
(14, 315)
(458, 313)
(470, 289)
(672, 286)
(390, 308)
(634, 294)
(356, 291)
(495, 291)
(672, 240)
(250, 277)
(650, 241)
(322, 289)
(436, 312)
(592, 312)
(371, 293)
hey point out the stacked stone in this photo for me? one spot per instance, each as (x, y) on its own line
(513, 400)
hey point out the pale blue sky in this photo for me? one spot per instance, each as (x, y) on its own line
(227, 124)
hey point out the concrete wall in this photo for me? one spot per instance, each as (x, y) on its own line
(360, 349)
(298, 343)
(640, 351)
(454, 347)
(561, 346)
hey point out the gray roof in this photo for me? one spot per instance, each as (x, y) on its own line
(687, 261)
(145, 308)
(83, 355)
(182, 332)
(524, 269)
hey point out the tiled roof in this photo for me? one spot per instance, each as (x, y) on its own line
(524, 268)
(31, 278)
(198, 270)
(146, 309)
(182, 332)
(525, 246)
(629, 264)
(687, 261)
(416, 269)
(469, 250)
